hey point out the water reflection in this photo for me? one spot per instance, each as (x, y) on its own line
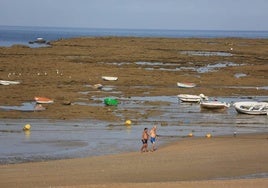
(25, 107)
(150, 66)
(27, 134)
(206, 53)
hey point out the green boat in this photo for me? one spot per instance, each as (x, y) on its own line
(110, 102)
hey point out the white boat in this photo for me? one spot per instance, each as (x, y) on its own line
(214, 105)
(192, 98)
(6, 82)
(252, 107)
(109, 78)
(97, 86)
(186, 85)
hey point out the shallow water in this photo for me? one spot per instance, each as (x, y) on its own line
(150, 66)
(206, 53)
(25, 107)
(56, 139)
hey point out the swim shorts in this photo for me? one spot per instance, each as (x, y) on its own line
(152, 139)
(144, 141)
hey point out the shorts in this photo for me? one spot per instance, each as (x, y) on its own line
(144, 141)
(152, 140)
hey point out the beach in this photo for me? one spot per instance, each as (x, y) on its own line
(194, 162)
(66, 72)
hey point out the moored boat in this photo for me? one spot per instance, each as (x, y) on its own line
(214, 105)
(97, 86)
(110, 101)
(109, 78)
(185, 84)
(191, 98)
(43, 100)
(7, 82)
(251, 107)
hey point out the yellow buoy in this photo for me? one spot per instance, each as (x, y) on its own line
(27, 127)
(208, 135)
(128, 122)
(190, 134)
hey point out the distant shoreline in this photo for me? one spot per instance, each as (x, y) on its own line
(13, 35)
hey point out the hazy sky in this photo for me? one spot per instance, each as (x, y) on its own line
(138, 14)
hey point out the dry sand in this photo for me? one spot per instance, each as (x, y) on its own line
(62, 71)
(193, 162)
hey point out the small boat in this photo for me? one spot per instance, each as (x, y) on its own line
(43, 100)
(185, 85)
(97, 86)
(38, 40)
(6, 82)
(110, 101)
(192, 98)
(251, 107)
(214, 104)
(109, 78)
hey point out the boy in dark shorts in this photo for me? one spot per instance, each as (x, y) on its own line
(144, 139)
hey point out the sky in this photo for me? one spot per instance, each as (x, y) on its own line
(138, 14)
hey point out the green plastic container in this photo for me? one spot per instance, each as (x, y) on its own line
(110, 102)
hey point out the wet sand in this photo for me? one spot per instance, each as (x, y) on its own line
(194, 162)
(67, 69)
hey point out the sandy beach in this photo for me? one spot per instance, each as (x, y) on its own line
(194, 162)
(66, 72)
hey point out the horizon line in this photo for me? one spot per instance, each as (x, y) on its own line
(149, 29)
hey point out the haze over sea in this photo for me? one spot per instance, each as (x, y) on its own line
(10, 35)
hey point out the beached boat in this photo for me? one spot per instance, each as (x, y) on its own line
(38, 40)
(43, 100)
(97, 86)
(251, 107)
(109, 78)
(185, 85)
(191, 98)
(6, 82)
(214, 104)
(110, 101)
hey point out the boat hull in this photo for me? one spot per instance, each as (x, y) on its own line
(252, 108)
(214, 105)
(185, 85)
(191, 98)
(6, 82)
(110, 101)
(43, 100)
(109, 78)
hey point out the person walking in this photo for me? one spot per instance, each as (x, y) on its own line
(144, 139)
(153, 137)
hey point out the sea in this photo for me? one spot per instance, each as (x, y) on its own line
(11, 35)
(61, 139)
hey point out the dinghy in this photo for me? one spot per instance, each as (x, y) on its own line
(214, 105)
(43, 100)
(110, 101)
(251, 107)
(6, 82)
(191, 98)
(185, 85)
(109, 78)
